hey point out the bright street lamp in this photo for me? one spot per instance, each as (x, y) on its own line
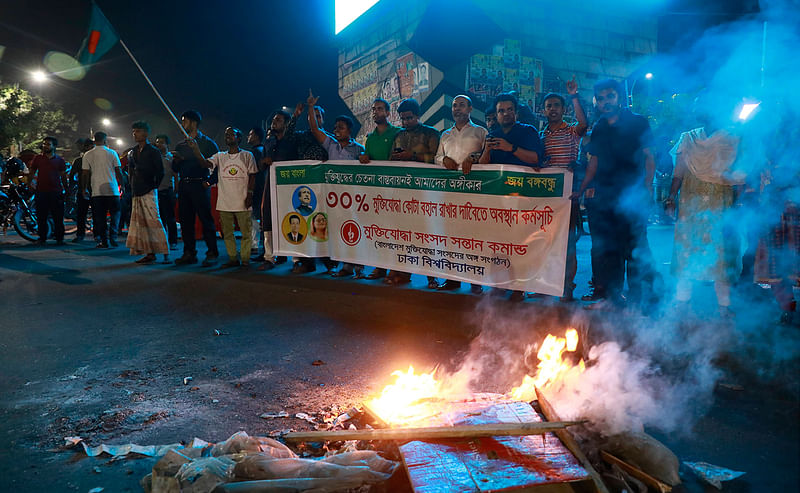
(39, 76)
(120, 142)
(648, 75)
(106, 122)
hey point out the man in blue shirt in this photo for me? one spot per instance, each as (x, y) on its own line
(512, 142)
(339, 147)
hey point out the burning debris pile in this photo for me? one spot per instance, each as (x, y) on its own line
(445, 433)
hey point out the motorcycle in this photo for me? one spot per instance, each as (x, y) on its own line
(16, 209)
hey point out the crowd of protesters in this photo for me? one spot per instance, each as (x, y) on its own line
(613, 161)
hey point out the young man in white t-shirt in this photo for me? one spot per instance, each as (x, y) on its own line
(102, 170)
(236, 170)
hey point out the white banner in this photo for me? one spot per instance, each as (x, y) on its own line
(501, 225)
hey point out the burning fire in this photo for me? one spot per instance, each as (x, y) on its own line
(413, 397)
(408, 399)
(552, 367)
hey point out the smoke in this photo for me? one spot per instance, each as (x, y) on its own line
(659, 367)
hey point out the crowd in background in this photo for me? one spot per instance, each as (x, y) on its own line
(620, 184)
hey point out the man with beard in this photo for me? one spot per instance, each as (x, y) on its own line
(622, 166)
(146, 234)
(416, 142)
(512, 142)
(194, 197)
(561, 144)
(459, 146)
(379, 148)
(280, 145)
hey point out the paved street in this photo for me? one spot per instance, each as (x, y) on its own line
(96, 346)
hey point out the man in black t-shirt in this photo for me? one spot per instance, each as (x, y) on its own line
(194, 197)
(622, 167)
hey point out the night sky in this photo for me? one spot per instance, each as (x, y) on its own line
(235, 61)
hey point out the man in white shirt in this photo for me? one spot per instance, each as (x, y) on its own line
(236, 169)
(102, 169)
(460, 146)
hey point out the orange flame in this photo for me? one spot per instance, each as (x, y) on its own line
(413, 398)
(552, 367)
(408, 399)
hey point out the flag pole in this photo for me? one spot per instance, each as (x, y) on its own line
(133, 58)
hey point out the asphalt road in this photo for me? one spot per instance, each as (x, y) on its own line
(98, 347)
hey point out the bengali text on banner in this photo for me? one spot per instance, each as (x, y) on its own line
(501, 225)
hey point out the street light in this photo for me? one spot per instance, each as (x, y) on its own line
(39, 76)
(120, 142)
(106, 122)
(648, 76)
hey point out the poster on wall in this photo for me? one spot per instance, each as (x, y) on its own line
(511, 80)
(527, 95)
(512, 53)
(422, 77)
(405, 74)
(505, 69)
(537, 83)
(496, 75)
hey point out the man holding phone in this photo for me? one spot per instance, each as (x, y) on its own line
(416, 142)
(512, 142)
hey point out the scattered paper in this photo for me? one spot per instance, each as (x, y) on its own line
(711, 474)
(96, 489)
(282, 414)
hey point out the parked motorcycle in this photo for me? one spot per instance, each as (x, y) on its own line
(16, 209)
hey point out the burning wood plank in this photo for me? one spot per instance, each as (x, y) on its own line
(434, 433)
(566, 438)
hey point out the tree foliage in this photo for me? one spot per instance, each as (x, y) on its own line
(26, 118)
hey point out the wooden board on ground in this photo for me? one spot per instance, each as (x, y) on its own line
(538, 463)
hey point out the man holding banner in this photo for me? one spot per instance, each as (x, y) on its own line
(416, 142)
(339, 147)
(561, 143)
(460, 146)
(512, 142)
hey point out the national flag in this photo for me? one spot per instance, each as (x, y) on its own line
(99, 40)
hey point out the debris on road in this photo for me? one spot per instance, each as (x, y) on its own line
(186, 380)
(129, 448)
(306, 417)
(261, 464)
(711, 474)
(282, 414)
(318, 362)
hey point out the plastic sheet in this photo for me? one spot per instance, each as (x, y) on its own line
(713, 475)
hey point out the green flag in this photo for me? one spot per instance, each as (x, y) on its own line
(99, 40)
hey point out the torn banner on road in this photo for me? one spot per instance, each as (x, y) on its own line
(501, 225)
